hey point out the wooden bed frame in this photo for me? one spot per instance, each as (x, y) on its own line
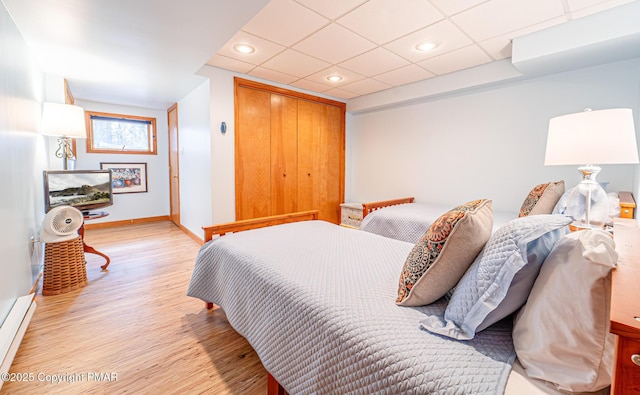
(625, 290)
(367, 208)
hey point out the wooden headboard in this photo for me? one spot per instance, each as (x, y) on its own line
(372, 206)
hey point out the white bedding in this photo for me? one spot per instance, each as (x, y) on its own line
(317, 303)
(409, 221)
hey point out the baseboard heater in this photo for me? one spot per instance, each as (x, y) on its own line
(13, 329)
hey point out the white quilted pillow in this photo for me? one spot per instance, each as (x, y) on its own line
(562, 334)
(500, 279)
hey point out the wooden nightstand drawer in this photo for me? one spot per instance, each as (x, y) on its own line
(627, 205)
(351, 214)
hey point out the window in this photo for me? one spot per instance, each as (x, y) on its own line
(120, 134)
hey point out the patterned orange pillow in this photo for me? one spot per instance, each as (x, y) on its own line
(542, 199)
(443, 254)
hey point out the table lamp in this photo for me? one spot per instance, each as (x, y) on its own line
(65, 121)
(589, 138)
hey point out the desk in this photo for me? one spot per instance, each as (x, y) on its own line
(87, 248)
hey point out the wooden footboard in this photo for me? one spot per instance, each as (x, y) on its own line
(255, 223)
(372, 206)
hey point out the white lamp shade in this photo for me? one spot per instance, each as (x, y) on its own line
(63, 120)
(592, 137)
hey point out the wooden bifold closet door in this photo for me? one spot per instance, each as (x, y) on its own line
(289, 152)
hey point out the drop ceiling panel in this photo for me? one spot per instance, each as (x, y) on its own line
(272, 75)
(264, 49)
(295, 63)
(500, 47)
(452, 7)
(230, 64)
(334, 44)
(347, 76)
(382, 20)
(366, 86)
(581, 8)
(404, 75)
(498, 17)
(285, 22)
(456, 60)
(445, 34)
(331, 9)
(374, 62)
(341, 93)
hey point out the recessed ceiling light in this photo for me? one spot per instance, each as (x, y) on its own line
(244, 48)
(334, 78)
(426, 46)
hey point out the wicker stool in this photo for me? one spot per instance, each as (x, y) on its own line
(64, 267)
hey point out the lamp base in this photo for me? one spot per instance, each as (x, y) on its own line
(588, 203)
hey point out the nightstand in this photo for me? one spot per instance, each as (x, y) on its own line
(627, 205)
(351, 215)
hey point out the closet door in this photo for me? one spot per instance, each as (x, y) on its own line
(320, 153)
(253, 153)
(284, 154)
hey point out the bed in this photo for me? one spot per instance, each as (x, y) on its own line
(320, 324)
(404, 219)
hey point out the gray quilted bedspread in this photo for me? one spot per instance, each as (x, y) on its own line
(408, 222)
(317, 303)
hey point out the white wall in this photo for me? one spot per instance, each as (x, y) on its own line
(22, 160)
(195, 156)
(485, 143)
(155, 202)
(222, 145)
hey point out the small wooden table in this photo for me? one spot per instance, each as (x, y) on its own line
(87, 248)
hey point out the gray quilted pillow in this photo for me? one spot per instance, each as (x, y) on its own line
(501, 277)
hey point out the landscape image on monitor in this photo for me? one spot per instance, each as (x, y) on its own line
(84, 190)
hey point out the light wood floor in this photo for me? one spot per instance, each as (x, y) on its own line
(136, 322)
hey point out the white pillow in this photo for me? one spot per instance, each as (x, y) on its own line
(500, 279)
(562, 334)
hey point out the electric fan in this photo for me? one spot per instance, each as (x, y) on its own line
(61, 224)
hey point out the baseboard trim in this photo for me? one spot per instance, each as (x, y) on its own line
(110, 224)
(189, 233)
(13, 329)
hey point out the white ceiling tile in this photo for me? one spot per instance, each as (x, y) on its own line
(457, 60)
(295, 63)
(498, 17)
(267, 74)
(404, 75)
(230, 64)
(285, 22)
(311, 85)
(382, 21)
(500, 47)
(444, 33)
(347, 76)
(452, 7)
(341, 93)
(374, 62)
(581, 8)
(334, 44)
(265, 49)
(331, 9)
(366, 86)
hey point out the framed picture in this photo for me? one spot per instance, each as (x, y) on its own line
(127, 177)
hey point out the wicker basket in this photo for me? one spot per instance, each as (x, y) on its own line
(64, 267)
